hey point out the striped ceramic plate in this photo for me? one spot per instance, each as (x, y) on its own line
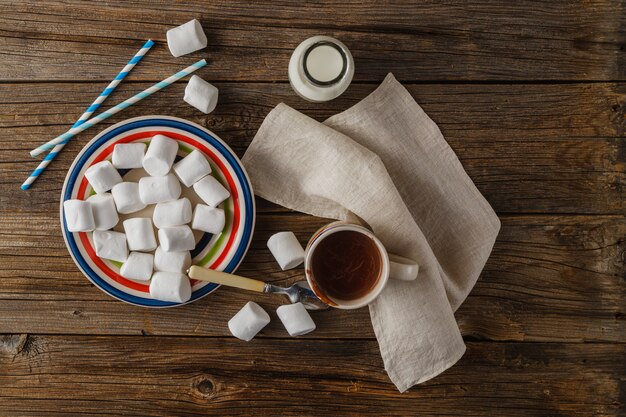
(223, 252)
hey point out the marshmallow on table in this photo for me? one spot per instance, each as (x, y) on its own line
(170, 286)
(208, 219)
(110, 245)
(201, 94)
(211, 191)
(186, 38)
(140, 234)
(102, 176)
(160, 155)
(286, 249)
(138, 266)
(250, 320)
(172, 213)
(128, 155)
(192, 168)
(296, 319)
(104, 212)
(78, 216)
(176, 239)
(171, 261)
(154, 190)
(126, 197)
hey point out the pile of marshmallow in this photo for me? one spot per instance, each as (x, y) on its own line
(251, 319)
(163, 264)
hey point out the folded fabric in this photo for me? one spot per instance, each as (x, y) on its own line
(386, 162)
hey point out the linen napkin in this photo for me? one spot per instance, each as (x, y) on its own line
(386, 162)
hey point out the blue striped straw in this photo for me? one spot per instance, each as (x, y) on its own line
(90, 110)
(127, 103)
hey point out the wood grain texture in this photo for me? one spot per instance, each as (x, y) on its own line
(528, 148)
(548, 279)
(429, 40)
(169, 376)
(530, 95)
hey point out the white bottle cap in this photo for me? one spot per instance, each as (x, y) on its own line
(321, 69)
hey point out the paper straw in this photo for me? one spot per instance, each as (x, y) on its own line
(90, 110)
(108, 113)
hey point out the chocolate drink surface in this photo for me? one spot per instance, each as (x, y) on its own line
(346, 265)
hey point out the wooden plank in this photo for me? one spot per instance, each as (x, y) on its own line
(165, 376)
(529, 148)
(493, 40)
(549, 278)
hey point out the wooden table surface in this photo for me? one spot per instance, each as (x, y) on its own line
(530, 95)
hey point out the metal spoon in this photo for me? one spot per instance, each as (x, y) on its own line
(300, 292)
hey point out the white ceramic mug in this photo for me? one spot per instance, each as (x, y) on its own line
(392, 266)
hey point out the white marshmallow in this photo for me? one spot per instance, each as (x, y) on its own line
(192, 168)
(160, 155)
(296, 319)
(208, 219)
(154, 190)
(286, 249)
(138, 266)
(176, 239)
(78, 216)
(126, 196)
(186, 38)
(129, 155)
(201, 94)
(170, 286)
(104, 212)
(110, 245)
(211, 191)
(171, 261)
(102, 176)
(249, 321)
(172, 213)
(140, 234)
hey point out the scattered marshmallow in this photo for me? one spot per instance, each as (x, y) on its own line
(170, 286)
(140, 234)
(211, 191)
(78, 216)
(159, 189)
(286, 249)
(129, 155)
(192, 168)
(208, 219)
(160, 155)
(138, 266)
(110, 245)
(296, 319)
(102, 176)
(172, 213)
(176, 239)
(249, 321)
(126, 196)
(104, 212)
(201, 94)
(186, 38)
(171, 261)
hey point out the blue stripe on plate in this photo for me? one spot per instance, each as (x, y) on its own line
(247, 196)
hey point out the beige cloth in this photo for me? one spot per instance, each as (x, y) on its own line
(387, 162)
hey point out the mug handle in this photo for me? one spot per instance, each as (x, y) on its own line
(401, 268)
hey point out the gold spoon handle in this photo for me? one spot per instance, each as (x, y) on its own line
(217, 277)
